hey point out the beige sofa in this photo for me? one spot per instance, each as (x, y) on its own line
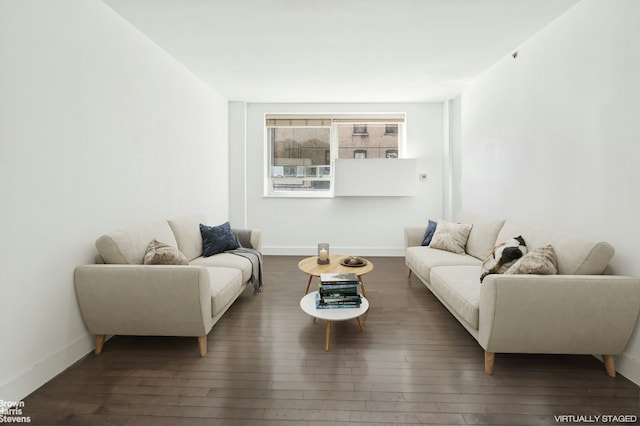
(577, 311)
(121, 295)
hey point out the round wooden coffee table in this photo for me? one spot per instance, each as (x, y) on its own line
(311, 267)
(308, 305)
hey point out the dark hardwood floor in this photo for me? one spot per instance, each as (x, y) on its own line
(266, 365)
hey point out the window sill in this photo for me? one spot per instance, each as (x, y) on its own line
(300, 194)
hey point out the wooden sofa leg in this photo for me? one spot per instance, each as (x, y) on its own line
(408, 272)
(609, 365)
(202, 344)
(99, 343)
(489, 357)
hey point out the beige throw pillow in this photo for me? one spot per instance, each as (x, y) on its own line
(163, 254)
(541, 261)
(451, 236)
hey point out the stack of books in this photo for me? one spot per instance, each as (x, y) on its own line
(338, 291)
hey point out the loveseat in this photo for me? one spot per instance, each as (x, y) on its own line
(578, 310)
(122, 295)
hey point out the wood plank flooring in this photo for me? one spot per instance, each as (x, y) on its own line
(266, 365)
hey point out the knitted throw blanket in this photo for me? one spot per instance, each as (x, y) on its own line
(246, 250)
(255, 257)
(243, 237)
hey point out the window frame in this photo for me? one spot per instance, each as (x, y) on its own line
(359, 119)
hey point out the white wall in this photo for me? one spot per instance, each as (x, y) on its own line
(237, 157)
(453, 202)
(99, 130)
(352, 225)
(552, 137)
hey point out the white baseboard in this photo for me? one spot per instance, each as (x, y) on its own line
(350, 251)
(27, 381)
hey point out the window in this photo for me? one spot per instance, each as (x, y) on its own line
(374, 144)
(360, 154)
(360, 129)
(301, 149)
(298, 158)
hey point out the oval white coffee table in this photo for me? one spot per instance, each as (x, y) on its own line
(308, 305)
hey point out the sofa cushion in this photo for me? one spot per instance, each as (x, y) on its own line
(217, 239)
(484, 233)
(428, 234)
(187, 232)
(129, 245)
(576, 255)
(422, 259)
(225, 285)
(451, 236)
(459, 287)
(541, 261)
(163, 254)
(503, 256)
(227, 260)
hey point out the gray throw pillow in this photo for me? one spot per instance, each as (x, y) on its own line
(451, 236)
(163, 254)
(217, 239)
(541, 261)
(428, 234)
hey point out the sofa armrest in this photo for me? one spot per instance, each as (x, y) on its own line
(569, 314)
(145, 299)
(413, 235)
(255, 236)
(256, 239)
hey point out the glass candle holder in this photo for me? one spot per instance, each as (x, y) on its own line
(323, 253)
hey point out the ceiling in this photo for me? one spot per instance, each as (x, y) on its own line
(339, 50)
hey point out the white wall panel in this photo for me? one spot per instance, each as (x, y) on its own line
(376, 177)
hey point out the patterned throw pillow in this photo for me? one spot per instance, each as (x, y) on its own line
(451, 236)
(217, 239)
(428, 235)
(541, 261)
(503, 256)
(163, 254)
